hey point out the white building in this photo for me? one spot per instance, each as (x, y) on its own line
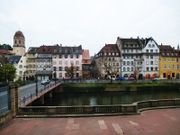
(19, 62)
(65, 57)
(150, 65)
(140, 57)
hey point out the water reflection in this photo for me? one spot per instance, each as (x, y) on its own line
(93, 101)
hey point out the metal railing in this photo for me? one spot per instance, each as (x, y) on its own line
(4, 100)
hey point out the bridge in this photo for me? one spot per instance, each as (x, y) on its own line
(29, 93)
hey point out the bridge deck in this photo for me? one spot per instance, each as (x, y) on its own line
(29, 98)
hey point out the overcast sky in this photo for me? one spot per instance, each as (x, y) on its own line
(91, 23)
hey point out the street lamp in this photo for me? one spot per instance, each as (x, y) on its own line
(36, 85)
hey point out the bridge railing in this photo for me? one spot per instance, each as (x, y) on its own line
(53, 110)
(100, 109)
(23, 101)
(4, 100)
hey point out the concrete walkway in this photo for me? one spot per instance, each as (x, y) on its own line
(154, 122)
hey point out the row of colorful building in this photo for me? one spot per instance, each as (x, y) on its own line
(140, 58)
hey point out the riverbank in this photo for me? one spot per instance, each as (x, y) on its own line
(133, 86)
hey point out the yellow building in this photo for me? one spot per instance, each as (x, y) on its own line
(169, 63)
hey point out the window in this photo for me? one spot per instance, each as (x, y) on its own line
(149, 45)
(151, 68)
(60, 68)
(66, 62)
(124, 68)
(66, 68)
(20, 72)
(60, 56)
(151, 50)
(60, 75)
(54, 68)
(147, 50)
(124, 62)
(132, 63)
(132, 68)
(65, 56)
(77, 62)
(128, 62)
(77, 56)
(151, 56)
(71, 56)
(156, 68)
(147, 68)
(151, 62)
(20, 66)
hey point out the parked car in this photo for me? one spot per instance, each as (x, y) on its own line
(120, 79)
(131, 78)
(45, 82)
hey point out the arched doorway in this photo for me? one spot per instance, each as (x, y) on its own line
(147, 76)
(126, 76)
(178, 76)
(140, 77)
(154, 75)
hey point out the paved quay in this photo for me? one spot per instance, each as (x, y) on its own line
(153, 122)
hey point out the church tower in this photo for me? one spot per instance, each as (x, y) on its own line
(19, 44)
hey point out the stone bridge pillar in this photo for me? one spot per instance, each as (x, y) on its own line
(42, 100)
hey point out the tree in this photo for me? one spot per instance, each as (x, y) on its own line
(70, 71)
(7, 72)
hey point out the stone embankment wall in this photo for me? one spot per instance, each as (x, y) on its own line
(135, 108)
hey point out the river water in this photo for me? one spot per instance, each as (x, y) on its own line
(108, 98)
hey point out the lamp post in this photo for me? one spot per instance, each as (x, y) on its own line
(36, 85)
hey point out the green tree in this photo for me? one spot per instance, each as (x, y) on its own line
(7, 72)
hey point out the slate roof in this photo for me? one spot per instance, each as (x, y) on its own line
(168, 51)
(14, 59)
(134, 43)
(109, 48)
(45, 49)
(32, 50)
(71, 49)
